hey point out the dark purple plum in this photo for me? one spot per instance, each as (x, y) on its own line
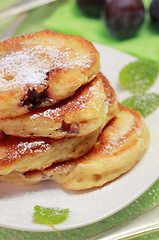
(90, 8)
(154, 13)
(123, 18)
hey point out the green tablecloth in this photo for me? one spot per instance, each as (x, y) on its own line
(68, 19)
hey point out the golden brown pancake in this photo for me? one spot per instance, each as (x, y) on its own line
(19, 154)
(92, 106)
(119, 147)
(41, 69)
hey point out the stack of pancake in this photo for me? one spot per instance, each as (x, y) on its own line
(60, 118)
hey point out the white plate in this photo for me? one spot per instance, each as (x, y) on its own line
(86, 207)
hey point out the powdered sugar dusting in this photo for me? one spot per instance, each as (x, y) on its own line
(47, 114)
(30, 147)
(20, 69)
(114, 144)
(30, 65)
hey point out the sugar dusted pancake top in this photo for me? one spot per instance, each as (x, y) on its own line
(92, 106)
(42, 69)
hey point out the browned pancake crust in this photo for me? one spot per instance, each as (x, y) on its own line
(18, 154)
(42, 68)
(92, 106)
(119, 147)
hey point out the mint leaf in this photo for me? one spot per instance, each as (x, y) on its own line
(145, 104)
(49, 216)
(139, 76)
